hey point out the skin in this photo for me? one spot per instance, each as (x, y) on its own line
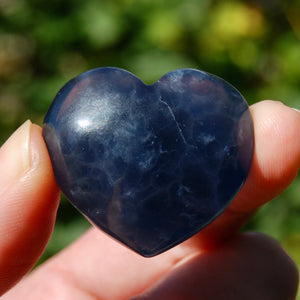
(217, 263)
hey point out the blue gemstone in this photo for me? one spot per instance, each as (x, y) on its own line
(151, 165)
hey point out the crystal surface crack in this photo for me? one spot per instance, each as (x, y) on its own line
(174, 118)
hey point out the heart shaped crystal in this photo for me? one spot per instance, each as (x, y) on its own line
(151, 165)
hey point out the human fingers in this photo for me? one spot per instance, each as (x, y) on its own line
(248, 266)
(28, 203)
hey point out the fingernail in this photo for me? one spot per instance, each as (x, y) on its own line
(296, 109)
(15, 158)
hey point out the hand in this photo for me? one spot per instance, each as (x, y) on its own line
(217, 263)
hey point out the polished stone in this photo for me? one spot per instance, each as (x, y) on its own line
(151, 165)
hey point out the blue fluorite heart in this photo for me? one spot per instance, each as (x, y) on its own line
(151, 165)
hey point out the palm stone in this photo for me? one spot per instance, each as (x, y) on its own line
(151, 165)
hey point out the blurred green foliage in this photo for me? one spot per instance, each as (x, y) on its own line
(252, 44)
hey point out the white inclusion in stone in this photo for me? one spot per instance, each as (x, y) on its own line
(175, 81)
(207, 138)
(146, 162)
(182, 189)
(226, 150)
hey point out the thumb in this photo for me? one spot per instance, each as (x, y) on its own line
(29, 199)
